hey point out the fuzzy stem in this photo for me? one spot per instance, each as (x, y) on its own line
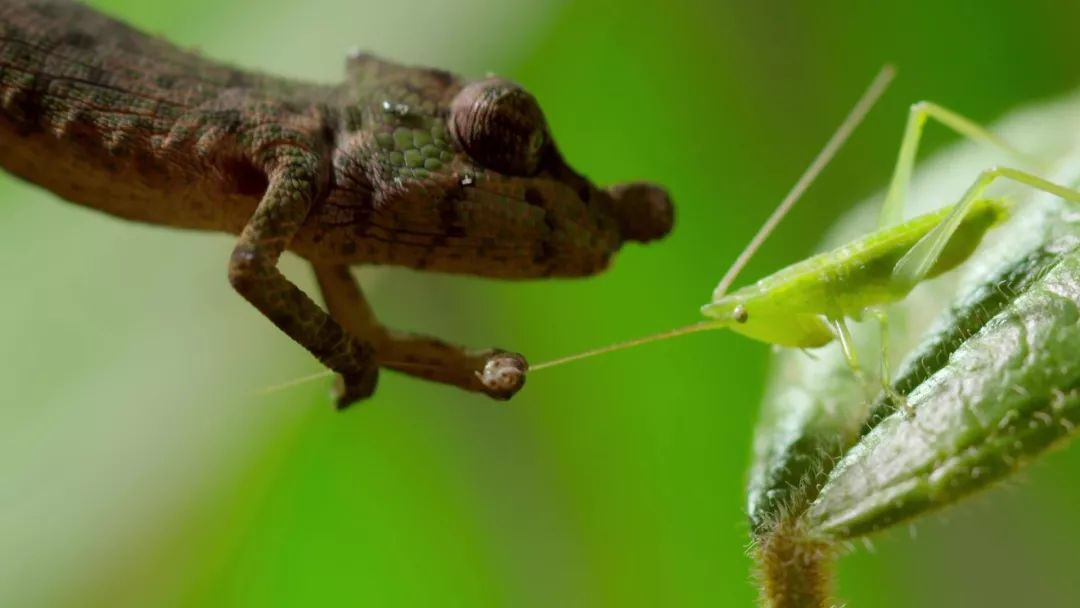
(794, 571)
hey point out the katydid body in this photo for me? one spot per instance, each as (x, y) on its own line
(792, 307)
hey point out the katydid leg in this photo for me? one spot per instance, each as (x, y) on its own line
(917, 262)
(847, 346)
(885, 375)
(892, 210)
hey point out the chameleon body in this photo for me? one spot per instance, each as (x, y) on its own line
(397, 165)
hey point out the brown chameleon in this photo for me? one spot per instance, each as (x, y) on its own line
(398, 165)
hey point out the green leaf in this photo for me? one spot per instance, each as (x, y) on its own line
(994, 381)
(1003, 396)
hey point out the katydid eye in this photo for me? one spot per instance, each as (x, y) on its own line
(500, 126)
(739, 314)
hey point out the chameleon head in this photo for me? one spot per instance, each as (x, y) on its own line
(500, 125)
(473, 164)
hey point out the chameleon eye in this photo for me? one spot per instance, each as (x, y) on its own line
(500, 125)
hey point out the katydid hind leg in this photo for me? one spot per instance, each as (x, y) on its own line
(920, 259)
(892, 210)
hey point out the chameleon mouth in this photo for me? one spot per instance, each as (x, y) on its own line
(643, 211)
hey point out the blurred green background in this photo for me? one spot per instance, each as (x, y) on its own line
(138, 468)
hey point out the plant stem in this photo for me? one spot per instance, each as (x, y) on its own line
(794, 571)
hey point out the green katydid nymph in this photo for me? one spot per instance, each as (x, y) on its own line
(808, 304)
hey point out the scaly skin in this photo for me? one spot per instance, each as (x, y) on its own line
(398, 165)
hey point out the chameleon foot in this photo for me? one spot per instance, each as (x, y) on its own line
(355, 387)
(503, 375)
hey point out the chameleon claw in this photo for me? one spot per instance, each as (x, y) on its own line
(503, 375)
(348, 391)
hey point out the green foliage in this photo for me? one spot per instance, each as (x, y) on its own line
(139, 468)
(994, 382)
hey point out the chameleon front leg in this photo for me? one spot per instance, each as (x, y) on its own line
(496, 373)
(253, 273)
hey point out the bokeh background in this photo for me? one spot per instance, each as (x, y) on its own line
(138, 467)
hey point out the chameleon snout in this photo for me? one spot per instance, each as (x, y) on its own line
(643, 211)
